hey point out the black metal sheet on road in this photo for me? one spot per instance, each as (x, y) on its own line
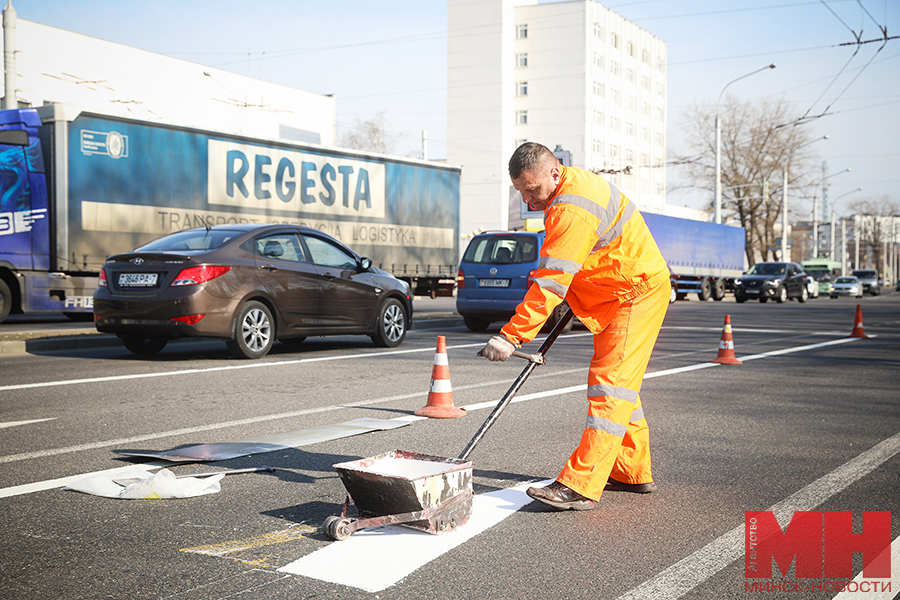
(268, 443)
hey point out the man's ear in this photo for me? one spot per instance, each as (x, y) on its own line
(555, 173)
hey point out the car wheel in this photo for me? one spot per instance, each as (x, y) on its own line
(253, 333)
(782, 295)
(804, 295)
(673, 295)
(391, 324)
(740, 299)
(5, 300)
(144, 345)
(474, 324)
(763, 300)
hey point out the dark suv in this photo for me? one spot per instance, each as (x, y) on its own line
(869, 278)
(772, 280)
(494, 274)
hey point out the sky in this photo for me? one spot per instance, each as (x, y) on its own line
(387, 59)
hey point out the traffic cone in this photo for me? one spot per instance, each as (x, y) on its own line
(726, 346)
(440, 397)
(858, 330)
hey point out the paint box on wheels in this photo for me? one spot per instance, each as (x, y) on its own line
(425, 492)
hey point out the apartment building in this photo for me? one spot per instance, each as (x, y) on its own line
(573, 75)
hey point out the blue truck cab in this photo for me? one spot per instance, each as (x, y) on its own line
(496, 270)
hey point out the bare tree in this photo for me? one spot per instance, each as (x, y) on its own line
(369, 135)
(873, 222)
(755, 152)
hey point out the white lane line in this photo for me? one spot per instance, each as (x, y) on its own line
(40, 486)
(377, 558)
(693, 570)
(891, 584)
(17, 423)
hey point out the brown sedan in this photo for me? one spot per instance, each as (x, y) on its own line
(249, 285)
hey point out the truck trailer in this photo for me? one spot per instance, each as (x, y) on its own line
(704, 257)
(77, 187)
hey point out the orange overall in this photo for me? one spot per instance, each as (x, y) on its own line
(599, 256)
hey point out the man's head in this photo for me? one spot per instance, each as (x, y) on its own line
(535, 173)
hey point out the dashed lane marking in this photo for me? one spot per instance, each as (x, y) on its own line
(17, 423)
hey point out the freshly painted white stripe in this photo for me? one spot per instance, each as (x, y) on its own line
(17, 423)
(893, 582)
(40, 486)
(693, 570)
(799, 349)
(377, 558)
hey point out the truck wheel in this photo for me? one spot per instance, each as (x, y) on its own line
(718, 290)
(473, 324)
(705, 292)
(253, 331)
(144, 345)
(391, 324)
(6, 300)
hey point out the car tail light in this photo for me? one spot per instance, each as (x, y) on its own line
(531, 275)
(189, 319)
(460, 280)
(197, 275)
(102, 281)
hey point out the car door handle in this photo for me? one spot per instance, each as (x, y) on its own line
(328, 276)
(269, 267)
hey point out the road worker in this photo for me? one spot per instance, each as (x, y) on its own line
(599, 255)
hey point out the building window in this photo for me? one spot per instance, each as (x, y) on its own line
(522, 59)
(521, 31)
(613, 151)
(629, 47)
(645, 162)
(521, 88)
(598, 31)
(629, 155)
(598, 89)
(613, 67)
(614, 95)
(521, 117)
(598, 117)
(520, 142)
(598, 60)
(660, 65)
(645, 134)
(661, 89)
(659, 139)
(614, 39)
(629, 102)
(645, 57)
(629, 128)
(645, 108)
(598, 147)
(629, 75)
(660, 113)
(645, 82)
(614, 123)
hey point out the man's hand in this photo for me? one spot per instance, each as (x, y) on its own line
(497, 348)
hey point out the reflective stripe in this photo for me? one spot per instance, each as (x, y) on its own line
(615, 231)
(611, 390)
(637, 415)
(440, 358)
(587, 204)
(552, 286)
(559, 264)
(606, 425)
(441, 386)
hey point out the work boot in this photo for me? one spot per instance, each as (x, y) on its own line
(560, 496)
(636, 488)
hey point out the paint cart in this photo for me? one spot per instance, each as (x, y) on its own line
(424, 492)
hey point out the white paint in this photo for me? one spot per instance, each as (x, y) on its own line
(377, 558)
(693, 570)
(17, 423)
(40, 486)
(404, 468)
(894, 580)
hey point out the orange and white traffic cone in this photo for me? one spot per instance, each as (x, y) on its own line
(858, 330)
(440, 397)
(726, 346)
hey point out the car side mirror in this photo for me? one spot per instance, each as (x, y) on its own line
(365, 263)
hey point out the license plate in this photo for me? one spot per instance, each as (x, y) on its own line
(137, 279)
(751, 292)
(493, 283)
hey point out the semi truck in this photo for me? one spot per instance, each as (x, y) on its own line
(76, 187)
(705, 258)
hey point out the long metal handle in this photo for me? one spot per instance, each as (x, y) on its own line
(505, 400)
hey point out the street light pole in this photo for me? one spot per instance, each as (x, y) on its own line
(717, 206)
(784, 194)
(833, 205)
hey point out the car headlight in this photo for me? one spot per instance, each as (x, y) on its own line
(772, 282)
(737, 282)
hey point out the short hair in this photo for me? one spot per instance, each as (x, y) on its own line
(530, 157)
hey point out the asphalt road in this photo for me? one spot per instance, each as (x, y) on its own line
(810, 421)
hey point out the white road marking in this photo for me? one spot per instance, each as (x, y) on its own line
(370, 558)
(40, 486)
(17, 423)
(693, 570)
(892, 584)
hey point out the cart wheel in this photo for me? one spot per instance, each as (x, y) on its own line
(337, 528)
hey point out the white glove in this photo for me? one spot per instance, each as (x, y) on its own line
(497, 348)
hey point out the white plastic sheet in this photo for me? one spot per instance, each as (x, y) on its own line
(159, 485)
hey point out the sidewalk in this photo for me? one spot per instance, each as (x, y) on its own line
(23, 334)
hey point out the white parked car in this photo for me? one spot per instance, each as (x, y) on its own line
(847, 286)
(813, 286)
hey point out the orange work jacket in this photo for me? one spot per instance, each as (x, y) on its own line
(597, 254)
